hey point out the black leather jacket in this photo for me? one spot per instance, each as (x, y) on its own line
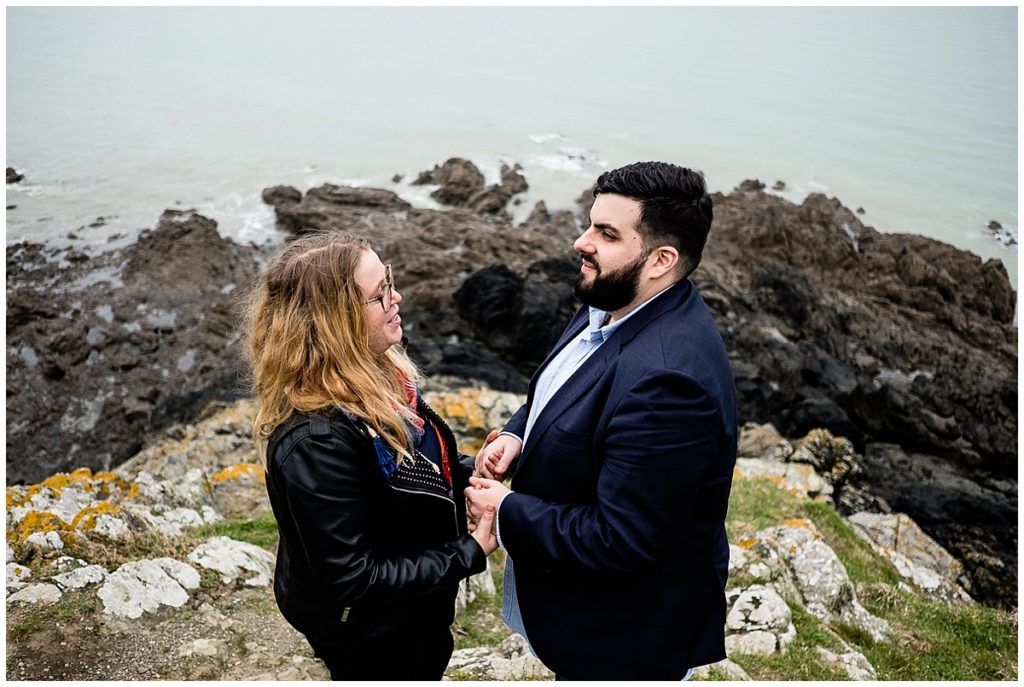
(359, 553)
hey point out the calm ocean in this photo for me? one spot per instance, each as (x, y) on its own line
(119, 113)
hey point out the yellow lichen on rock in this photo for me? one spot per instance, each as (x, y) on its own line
(41, 522)
(16, 496)
(238, 471)
(746, 542)
(86, 518)
(58, 482)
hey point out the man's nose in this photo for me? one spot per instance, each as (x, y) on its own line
(584, 244)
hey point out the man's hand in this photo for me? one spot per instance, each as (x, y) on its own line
(497, 454)
(481, 496)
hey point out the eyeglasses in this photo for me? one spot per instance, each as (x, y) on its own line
(386, 292)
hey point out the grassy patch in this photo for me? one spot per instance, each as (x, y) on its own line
(35, 618)
(756, 504)
(931, 640)
(936, 641)
(260, 530)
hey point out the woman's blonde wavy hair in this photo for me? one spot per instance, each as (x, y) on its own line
(308, 346)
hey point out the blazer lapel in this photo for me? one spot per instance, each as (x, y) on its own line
(600, 362)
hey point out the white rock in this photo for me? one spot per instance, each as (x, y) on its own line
(482, 663)
(109, 526)
(737, 559)
(143, 586)
(69, 563)
(48, 541)
(10, 552)
(917, 557)
(757, 607)
(760, 642)
(72, 499)
(797, 478)
(758, 622)
(18, 577)
(203, 647)
(80, 577)
(36, 593)
(725, 666)
(853, 663)
(235, 560)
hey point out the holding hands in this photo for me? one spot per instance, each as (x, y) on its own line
(497, 453)
(485, 492)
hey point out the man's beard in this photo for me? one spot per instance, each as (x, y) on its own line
(613, 290)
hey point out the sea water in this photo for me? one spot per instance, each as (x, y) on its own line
(114, 114)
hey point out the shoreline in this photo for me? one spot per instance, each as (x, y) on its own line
(242, 217)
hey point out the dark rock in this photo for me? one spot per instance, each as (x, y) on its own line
(11, 207)
(974, 521)
(1002, 234)
(459, 180)
(779, 186)
(13, 176)
(585, 202)
(281, 195)
(112, 330)
(491, 200)
(396, 178)
(512, 179)
(750, 185)
(860, 211)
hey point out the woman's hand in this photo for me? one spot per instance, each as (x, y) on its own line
(483, 532)
(496, 455)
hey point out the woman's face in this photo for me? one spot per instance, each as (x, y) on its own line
(383, 325)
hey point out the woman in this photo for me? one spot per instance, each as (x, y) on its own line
(363, 476)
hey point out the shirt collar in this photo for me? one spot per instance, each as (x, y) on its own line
(598, 332)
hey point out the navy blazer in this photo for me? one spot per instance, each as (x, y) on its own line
(616, 523)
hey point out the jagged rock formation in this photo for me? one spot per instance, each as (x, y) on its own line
(105, 350)
(902, 344)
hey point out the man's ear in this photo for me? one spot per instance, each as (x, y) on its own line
(666, 259)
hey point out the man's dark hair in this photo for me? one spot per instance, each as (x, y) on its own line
(675, 208)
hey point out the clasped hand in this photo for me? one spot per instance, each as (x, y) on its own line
(484, 494)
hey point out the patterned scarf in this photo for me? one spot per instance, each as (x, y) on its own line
(387, 457)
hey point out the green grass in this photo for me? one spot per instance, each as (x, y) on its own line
(260, 530)
(931, 640)
(481, 624)
(70, 607)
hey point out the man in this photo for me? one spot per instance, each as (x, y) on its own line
(624, 451)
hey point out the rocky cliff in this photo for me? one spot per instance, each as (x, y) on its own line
(902, 344)
(128, 574)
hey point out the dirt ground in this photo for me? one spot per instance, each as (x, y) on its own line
(235, 634)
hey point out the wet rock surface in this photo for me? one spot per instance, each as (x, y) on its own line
(103, 351)
(880, 338)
